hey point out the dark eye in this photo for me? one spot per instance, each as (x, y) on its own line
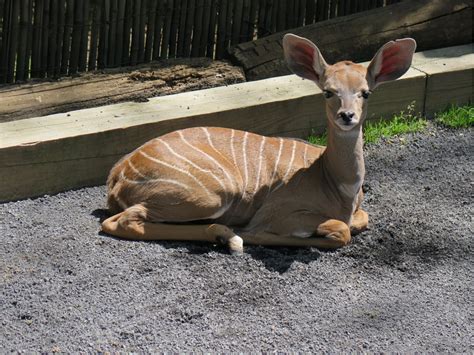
(328, 94)
(366, 94)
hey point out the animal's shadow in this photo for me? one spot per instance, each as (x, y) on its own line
(276, 259)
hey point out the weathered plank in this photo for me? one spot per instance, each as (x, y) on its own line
(113, 85)
(420, 19)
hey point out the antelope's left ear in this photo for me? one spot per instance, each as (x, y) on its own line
(391, 61)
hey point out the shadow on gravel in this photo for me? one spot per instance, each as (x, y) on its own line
(281, 259)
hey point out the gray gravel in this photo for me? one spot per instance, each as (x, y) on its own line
(404, 285)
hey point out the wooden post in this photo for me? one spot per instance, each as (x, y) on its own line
(141, 33)
(22, 56)
(167, 29)
(76, 37)
(150, 30)
(95, 30)
(198, 28)
(158, 27)
(135, 30)
(211, 36)
(119, 33)
(203, 41)
(104, 35)
(237, 21)
(221, 29)
(84, 36)
(127, 25)
(67, 37)
(112, 33)
(252, 20)
(182, 28)
(60, 37)
(189, 28)
(174, 30)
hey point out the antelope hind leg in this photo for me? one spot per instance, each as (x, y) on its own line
(131, 224)
(360, 220)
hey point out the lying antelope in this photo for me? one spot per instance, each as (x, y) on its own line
(217, 184)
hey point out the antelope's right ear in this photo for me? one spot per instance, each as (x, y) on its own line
(303, 57)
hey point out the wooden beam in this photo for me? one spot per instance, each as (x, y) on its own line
(450, 77)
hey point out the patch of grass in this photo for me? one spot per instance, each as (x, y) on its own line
(456, 117)
(405, 122)
(321, 139)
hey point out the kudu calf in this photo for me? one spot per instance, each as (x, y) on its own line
(217, 184)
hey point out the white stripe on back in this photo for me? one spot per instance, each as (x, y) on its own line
(232, 147)
(290, 165)
(260, 158)
(172, 151)
(276, 164)
(177, 169)
(244, 154)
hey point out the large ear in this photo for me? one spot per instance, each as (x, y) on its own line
(303, 57)
(391, 61)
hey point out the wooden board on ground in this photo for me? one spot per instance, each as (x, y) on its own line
(361, 34)
(450, 76)
(114, 85)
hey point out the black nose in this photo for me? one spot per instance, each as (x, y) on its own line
(346, 116)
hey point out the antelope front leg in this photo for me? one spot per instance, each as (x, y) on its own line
(331, 234)
(360, 220)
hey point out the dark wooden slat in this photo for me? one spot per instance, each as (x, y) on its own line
(52, 38)
(301, 13)
(182, 28)
(332, 9)
(60, 37)
(95, 30)
(228, 25)
(237, 21)
(135, 32)
(112, 33)
(197, 31)
(189, 28)
(119, 40)
(158, 27)
(269, 6)
(245, 24)
(290, 15)
(13, 40)
(150, 29)
(104, 35)
(76, 37)
(252, 19)
(127, 25)
(310, 11)
(45, 39)
(174, 30)
(203, 41)
(261, 18)
(67, 37)
(84, 36)
(212, 33)
(141, 33)
(221, 29)
(22, 45)
(5, 38)
(167, 28)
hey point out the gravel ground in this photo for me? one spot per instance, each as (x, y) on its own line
(404, 285)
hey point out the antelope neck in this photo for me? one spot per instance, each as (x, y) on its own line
(343, 160)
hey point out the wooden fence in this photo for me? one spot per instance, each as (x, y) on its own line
(52, 38)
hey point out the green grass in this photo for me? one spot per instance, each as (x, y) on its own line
(409, 122)
(456, 117)
(404, 122)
